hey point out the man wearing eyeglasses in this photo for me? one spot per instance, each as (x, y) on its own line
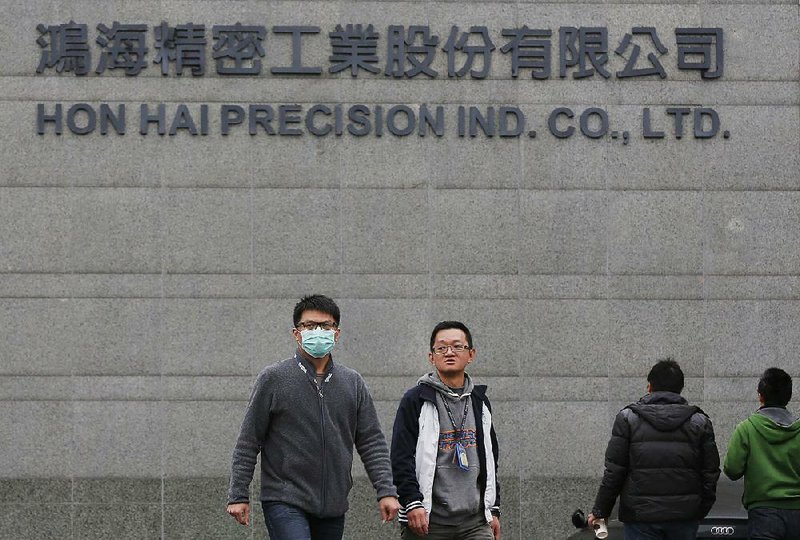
(304, 417)
(444, 448)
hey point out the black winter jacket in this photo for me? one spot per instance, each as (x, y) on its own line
(662, 461)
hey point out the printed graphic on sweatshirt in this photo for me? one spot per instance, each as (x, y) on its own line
(448, 439)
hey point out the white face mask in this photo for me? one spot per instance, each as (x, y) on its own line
(318, 342)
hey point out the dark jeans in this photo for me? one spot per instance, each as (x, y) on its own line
(286, 522)
(676, 530)
(773, 524)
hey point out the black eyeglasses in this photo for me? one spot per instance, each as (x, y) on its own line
(313, 325)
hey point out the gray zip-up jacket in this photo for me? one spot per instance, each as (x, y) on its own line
(306, 436)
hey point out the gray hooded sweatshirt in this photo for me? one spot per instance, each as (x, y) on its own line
(456, 494)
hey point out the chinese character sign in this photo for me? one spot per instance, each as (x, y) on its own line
(362, 50)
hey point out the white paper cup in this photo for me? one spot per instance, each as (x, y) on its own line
(600, 530)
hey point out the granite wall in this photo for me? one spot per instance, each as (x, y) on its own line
(146, 279)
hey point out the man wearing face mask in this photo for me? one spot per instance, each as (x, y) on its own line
(304, 417)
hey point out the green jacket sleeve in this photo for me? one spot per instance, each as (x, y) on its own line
(738, 450)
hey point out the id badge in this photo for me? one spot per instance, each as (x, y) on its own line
(461, 457)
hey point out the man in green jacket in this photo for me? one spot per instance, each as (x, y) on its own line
(765, 449)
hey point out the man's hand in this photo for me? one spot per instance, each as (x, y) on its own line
(418, 521)
(240, 512)
(495, 527)
(388, 507)
(590, 519)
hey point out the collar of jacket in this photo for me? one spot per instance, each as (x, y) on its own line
(663, 397)
(307, 367)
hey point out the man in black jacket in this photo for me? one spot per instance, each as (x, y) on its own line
(662, 461)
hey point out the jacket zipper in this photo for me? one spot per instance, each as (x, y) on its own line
(322, 430)
(313, 383)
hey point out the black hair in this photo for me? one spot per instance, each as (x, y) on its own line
(446, 325)
(666, 376)
(775, 387)
(316, 302)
